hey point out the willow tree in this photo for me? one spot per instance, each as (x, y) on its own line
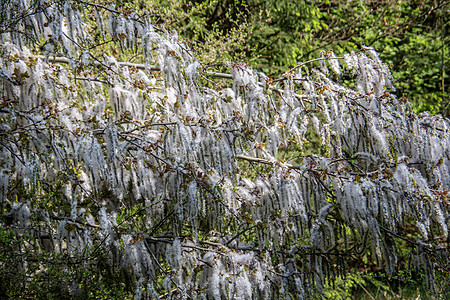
(165, 178)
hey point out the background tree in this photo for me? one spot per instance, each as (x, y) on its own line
(411, 36)
(151, 176)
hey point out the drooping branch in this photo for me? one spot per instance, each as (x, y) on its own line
(172, 205)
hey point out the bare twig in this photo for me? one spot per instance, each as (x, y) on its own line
(266, 162)
(240, 233)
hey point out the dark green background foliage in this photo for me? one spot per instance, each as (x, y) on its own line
(274, 35)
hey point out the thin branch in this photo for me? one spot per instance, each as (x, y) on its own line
(421, 244)
(64, 60)
(267, 162)
(75, 221)
(284, 76)
(161, 268)
(240, 233)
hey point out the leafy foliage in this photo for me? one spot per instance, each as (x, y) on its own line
(412, 36)
(132, 179)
